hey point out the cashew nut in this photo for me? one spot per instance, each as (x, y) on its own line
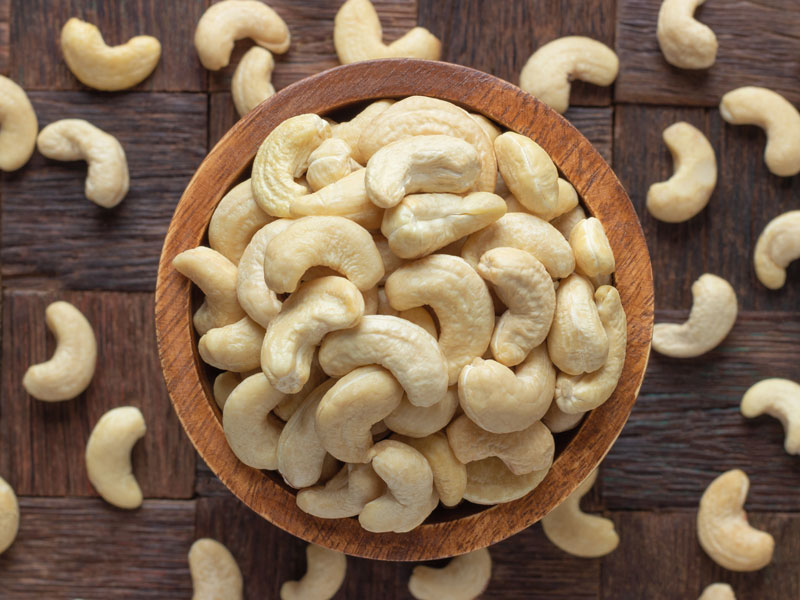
(529, 173)
(223, 386)
(343, 496)
(418, 421)
(579, 533)
(685, 42)
(259, 302)
(567, 200)
(108, 456)
(324, 576)
(350, 131)
(558, 421)
(333, 242)
(593, 254)
(718, 591)
(391, 262)
(566, 222)
(329, 163)
(577, 342)
(551, 69)
(357, 36)
(107, 179)
(409, 497)
(713, 315)
(235, 221)
(777, 246)
(18, 126)
(773, 113)
(578, 394)
(449, 474)
(215, 574)
(9, 515)
(287, 407)
(346, 197)
(234, 347)
(225, 22)
(524, 232)
(71, 368)
(103, 67)
(489, 127)
(464, 578)
(424, 223)
(779, 398)
(723, 530)
(489, 481)
(252, 80)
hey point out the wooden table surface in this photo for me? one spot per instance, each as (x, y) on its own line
(685, 429)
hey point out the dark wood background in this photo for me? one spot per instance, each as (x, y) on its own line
(684, 430)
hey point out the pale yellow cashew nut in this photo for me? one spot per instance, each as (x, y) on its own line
(324, 576)
(343, 496)
(329, 163)
(252, 80)
(685, 42)
(391, 262)
(551, 69)
(71, 368)
(567, 200)
(777, 246)
(421, 421)
(723, 530)
(464, 578)
(489, 481)
(558, 421)
(489, 127)
(108, 456)
(18, 126)
(259, 302)
(346, 197)
(103, 67)
(107, 179)
(215, 574)
(566, 222)
(350, 131)
(779, 398)
(9, 515)
(287, 407)
(593, 254)
(718, 591)
(529, 173)
(449, 474)
(234, 347)
(235, 221)
(357, 36)
(224, 383)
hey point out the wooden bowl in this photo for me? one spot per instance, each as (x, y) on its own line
(447, 532)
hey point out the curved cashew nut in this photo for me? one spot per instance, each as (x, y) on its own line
(593, 254)
(499, 400)
(424, 223)
(776, 115)
(235, 221)
(685, 42)
(549, 70)
(490, 128)
(466, 576)
(107, 180)
(566, 222)
(567, 201)
(529, 173)
(777, 246)
(422, 163)
(344, 495)
(259, 302)
(449, 474)
(579, 533)
(457, 295)
(391, 262)
(333, 242)
(779, 398)
(718, 591)
(71, 368)
(346, 197)
(523, 285)
(215, 574)
(223, 386)
(489, 481)
(421, 421)
(108, 456)
(18, 126)
(558, 421)
(723, 530)
(357, 35)
(578, 394)
(419, 315)
(524, 232)
(329, 163)
(350, 131)
(103, 67)
(287, 407)
(713, 315)
(234, 347)
(252, 80)
(409, 497)
(324, 576)
(9, 515)
(225, 22)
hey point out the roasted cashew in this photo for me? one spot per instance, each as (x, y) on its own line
(409, 497)
(723, 530)
(357, 36)
(324, 576)
(685, 42)
(525, 232)
(718, 591)
(566, 222)
(578, 394)
(350, 131)
(235, 221)
(252, 80)
(108, 456)
(593, 254)
(529, 173)
(103, 67)
(329, 163)
(579, 533)
(223, 386)
(449, 474)
(687, 192)
(489, 481)
(259, 302)
(333, 242)
(776, 115)
(551, 69)
(779, 398)
(465, 577)
(346, 197)
(71, 368)
(713, 315)
(234, 347)
(777, 246)
(558, 421)
(18, 126)
(215, 574)
(344, 495)
(225, 22)
(523, 285)
(107, 180)
(9, 515)
(418, 421)
(457, 295)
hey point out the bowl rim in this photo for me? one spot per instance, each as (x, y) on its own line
(331, 90)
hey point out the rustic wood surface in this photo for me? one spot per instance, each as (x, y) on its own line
(684, 429)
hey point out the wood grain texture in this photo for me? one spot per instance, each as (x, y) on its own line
(54, 237)
(42, 444)
(83, 548)
(37, 62)
(5, 28)
(759, 44)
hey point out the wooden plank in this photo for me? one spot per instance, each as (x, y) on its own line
(52, 236)
(83, 548)
(37, 62)
(659, 557)
(722, 237)
(596, 124)
(42, 443)
(206, 483)
(759, 44)
(5, 17)
(221, 116)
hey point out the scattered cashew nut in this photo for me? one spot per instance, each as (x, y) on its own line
(593, 254)
(251, 83)
(215, 574)
(529, 173)
(718, 591)
(18, 126)
(343, 496)
(777, 246)
(685, 42)
(464, 578)
(779, 398)
(324, 576)
(235, 221)
(9, 515)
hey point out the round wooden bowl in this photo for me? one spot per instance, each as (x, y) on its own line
(447, 532)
